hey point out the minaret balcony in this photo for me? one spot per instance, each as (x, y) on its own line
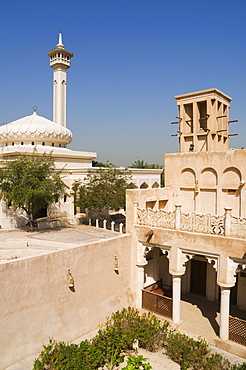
(60, 62)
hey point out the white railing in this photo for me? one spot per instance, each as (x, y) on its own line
(226, 225)
(105, 224)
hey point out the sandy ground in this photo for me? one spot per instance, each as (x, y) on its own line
(158, 360)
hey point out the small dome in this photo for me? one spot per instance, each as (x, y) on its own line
(35, 127)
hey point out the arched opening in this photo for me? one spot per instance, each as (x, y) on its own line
(208, 191)
(155, 185)
(144, 185)
(231, 190)
(187, 188)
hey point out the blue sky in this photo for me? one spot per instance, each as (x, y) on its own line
(131, 57)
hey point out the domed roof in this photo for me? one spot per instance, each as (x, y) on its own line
(35, 127)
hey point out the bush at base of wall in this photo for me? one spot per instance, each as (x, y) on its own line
(119, 335)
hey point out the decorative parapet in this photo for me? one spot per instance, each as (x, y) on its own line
(226, 225)
(199, 223)
(238, 227)
(158, 218)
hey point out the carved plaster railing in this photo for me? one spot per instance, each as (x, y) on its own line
(156, 218)
(238, 227)
(226, 225)
(199, 223)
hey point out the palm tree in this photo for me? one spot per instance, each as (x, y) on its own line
(139, 164)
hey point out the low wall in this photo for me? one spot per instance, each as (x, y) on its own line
(37, 304)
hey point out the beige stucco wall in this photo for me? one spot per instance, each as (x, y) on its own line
(36, 303)
(214, 173)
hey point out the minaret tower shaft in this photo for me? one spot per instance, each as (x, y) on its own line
(60, 62)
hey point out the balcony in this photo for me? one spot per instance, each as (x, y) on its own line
(225, 225)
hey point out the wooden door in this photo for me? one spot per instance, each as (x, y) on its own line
(198, 277)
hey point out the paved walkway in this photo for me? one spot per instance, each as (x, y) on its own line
(18, 244)
(201, 317)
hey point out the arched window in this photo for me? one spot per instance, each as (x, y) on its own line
(155, 185)
(144, 185)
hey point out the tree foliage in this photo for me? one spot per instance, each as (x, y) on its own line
(103, 188)
(139, 164)
(101, 164)
(30, 182)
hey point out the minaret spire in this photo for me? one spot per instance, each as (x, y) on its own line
(60, 62)
(60, 44)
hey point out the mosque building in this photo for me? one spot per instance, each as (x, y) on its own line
(34, 131)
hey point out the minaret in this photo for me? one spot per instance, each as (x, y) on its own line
(60, 62)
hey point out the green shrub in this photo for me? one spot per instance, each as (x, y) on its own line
(240, 366)
(185, 351)
(136, 363)
(61, 356)
(118, 336)
(194, 354)
(121, 331)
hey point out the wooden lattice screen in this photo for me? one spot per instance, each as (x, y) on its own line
(237, 330)
(157, 303)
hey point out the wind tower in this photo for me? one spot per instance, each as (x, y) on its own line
(203, 121)
(60, 62)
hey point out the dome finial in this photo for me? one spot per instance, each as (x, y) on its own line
(60, 44)
(35, 108)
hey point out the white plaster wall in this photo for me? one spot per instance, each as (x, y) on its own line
(36, 303)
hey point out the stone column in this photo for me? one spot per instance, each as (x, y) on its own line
(176, 298)
(224, 313)
(140, 284)
(228, 221)
(177, 216)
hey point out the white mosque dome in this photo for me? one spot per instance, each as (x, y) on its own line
(35, 128)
